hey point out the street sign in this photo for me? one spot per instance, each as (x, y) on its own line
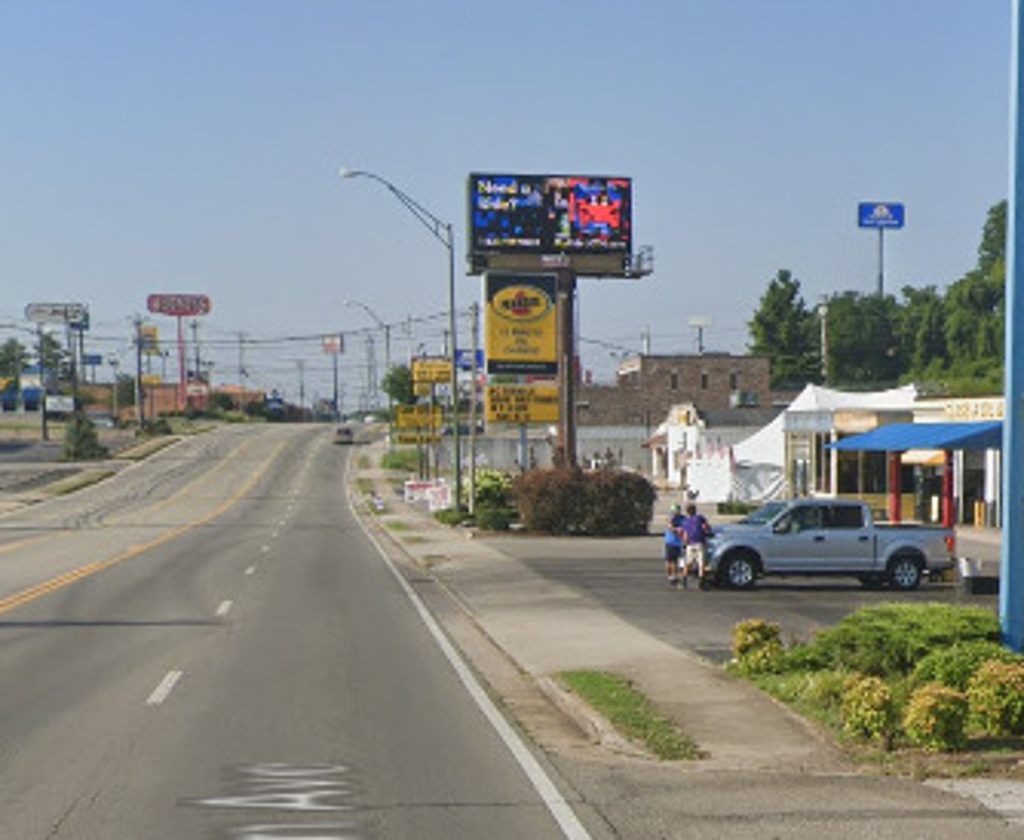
(877, 214)
(431, 370)
(522, 404)
(57, 313)
(418, 417)
(181, 306)
(464, 359)
(92, 359)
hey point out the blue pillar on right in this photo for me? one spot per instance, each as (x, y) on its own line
(1011, 587)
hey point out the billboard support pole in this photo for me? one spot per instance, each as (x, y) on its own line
(881, 261)
(566, 365)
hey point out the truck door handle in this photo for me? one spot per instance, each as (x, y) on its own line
(820, 538)
(863, 538)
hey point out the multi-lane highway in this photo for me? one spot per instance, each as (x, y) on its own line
(207, 645)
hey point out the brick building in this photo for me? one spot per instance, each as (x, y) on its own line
(647, 387)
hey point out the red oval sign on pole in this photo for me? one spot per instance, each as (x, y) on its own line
(179, 305)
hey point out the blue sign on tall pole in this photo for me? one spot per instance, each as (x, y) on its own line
(880, 216)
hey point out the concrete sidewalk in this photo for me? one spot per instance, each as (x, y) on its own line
(546, 628)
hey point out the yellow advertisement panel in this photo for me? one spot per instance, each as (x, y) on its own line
(418, 416)
(521, 324)
(415, 437)
(431, 371)
(521, 404)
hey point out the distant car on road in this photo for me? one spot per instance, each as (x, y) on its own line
(344, 435)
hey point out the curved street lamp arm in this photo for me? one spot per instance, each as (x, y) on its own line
(441, 230)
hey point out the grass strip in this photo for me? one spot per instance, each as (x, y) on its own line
(631, 713)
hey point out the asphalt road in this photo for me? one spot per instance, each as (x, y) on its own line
(627, 577)
(208, 646)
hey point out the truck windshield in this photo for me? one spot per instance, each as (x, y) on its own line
(764, 515)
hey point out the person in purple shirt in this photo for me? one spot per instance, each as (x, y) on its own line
(695, 531)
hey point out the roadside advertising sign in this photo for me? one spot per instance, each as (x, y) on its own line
(880, 214)
(149, 338)
(60, 405)
(179, 305)
(431, 370)
(418, 416)
(57, 313)
(521, 324)
(151, 379)
(521, 404)
(333, 345)
(415, 437)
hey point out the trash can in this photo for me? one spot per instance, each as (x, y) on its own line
(971, 579)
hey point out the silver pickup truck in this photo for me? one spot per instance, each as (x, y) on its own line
(826, 536)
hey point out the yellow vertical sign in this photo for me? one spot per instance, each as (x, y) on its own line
(521, 325)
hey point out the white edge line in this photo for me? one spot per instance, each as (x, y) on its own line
(162, 691)
(554, 801)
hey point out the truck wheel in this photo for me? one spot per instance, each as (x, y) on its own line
(739, 571)
(905, 572)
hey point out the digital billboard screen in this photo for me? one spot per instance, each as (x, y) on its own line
(550, 214)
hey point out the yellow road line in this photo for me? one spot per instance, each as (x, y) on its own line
(26, 596)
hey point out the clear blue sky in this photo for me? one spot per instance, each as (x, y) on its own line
(193, 146)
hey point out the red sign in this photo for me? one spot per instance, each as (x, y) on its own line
(181, 306)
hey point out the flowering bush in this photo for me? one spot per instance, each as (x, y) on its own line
(868, 708)
(996, 696)
(936, 718)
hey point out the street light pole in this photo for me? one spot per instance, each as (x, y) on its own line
(442, 231)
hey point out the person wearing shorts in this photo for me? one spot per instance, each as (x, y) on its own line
(673, 545)
(695, 531)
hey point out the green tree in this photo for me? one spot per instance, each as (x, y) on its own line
(787, 332)
(397, 384)
(863, 342)
(922, 332)
(13, 359)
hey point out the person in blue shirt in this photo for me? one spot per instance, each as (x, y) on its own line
(674, 545)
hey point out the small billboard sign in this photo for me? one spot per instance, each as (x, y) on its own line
(431, 370)
(179, 305)
(878, 214)
(57, 313)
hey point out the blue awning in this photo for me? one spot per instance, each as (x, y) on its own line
(899, 437)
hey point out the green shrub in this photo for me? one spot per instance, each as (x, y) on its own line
(825, 689)
(936, 718)
(81, 441)
(996, 696)
(402, 458)
(494, 518)
(551, 501)
(451, 516)
(868, 709)
(618, 503)
(954, 666)
(889, 640)
(752, 634)
(493, 489)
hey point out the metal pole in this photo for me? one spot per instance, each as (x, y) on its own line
(567, 365)
(475, 309)
(881, 261)
(1011, 584)
(453, 347)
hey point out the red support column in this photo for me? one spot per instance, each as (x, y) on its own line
(947, 490)
(895, 488)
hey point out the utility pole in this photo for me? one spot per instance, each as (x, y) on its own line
(241, 371)
(140, 409)
(302, 385)
(45, 431)
(474, 310)
(823, 317)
